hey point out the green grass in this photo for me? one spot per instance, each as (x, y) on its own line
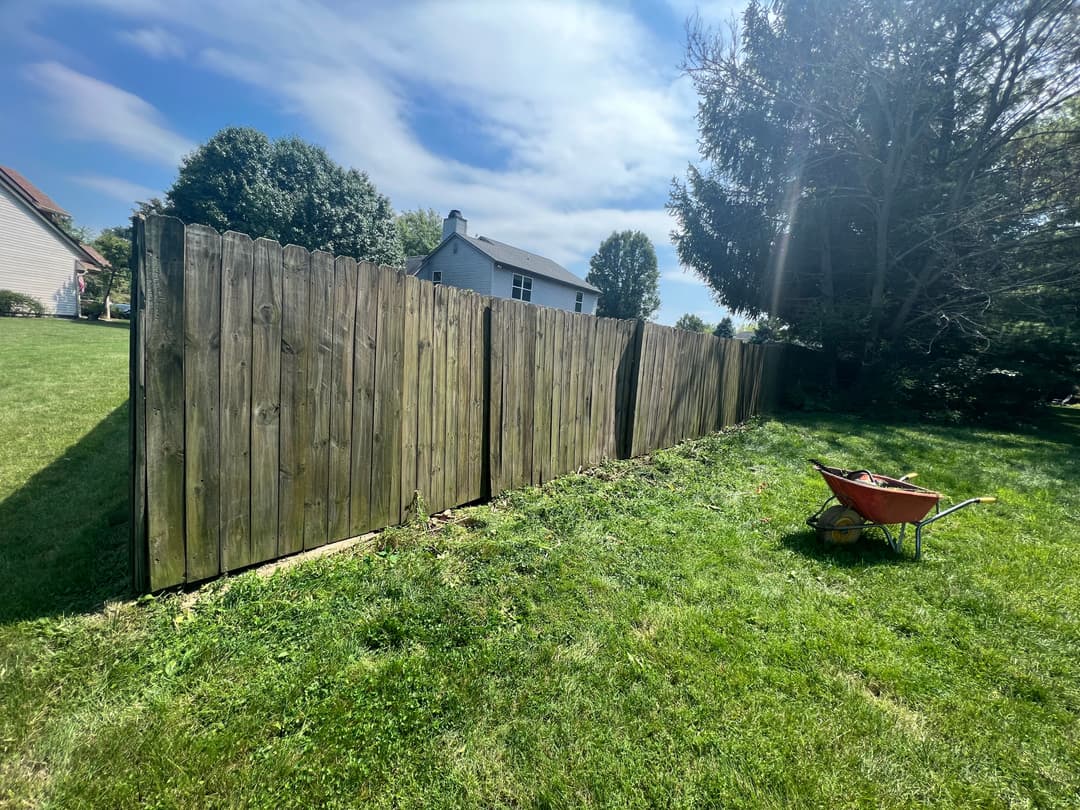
(63, 465)
(657, 633)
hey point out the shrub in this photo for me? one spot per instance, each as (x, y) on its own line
(13, 303)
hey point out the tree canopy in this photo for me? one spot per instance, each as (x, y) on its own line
(420, 231)
(890, 179)
(624, 269)
(692, 323)
(288, 190)
(725, 329)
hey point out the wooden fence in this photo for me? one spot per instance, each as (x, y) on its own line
(284, 399)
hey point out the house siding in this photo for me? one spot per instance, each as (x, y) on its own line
(545, 292)
(468, 268)
(34, 259)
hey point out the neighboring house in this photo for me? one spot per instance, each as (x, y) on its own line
(745, 336)
(494, 268)
(37, 257)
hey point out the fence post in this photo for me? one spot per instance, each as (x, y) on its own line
(486, 429)
(626, 450)
(139, 552)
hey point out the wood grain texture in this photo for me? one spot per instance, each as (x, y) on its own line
(237, 266)
(410, 390)
(321, 348)
(588, 439)
(386, 447)
(541, 401)
(477, 398)
(558, 383)
(465, 438)
(138, 543)
(527, 338)
(202, 367)
(453, 397)
(295, 422)
(365, 335)
(265, 398)
(440, 318)
(341, 399)
(163, 360)
(425, 384)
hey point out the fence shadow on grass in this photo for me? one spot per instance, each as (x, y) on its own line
(870, 549)
(64, 546)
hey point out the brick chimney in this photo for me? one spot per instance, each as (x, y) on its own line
(454, 223)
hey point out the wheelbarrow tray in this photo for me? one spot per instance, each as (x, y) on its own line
(880, 499)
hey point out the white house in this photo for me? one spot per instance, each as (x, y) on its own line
(495, 268)
(37, 257)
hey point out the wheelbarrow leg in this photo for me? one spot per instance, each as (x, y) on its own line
(894, 544)
(919, 526)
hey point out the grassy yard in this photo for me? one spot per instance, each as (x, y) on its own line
(63, 465)
(659, 632)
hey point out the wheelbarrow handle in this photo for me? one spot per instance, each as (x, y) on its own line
(986, 499)
(908, 477)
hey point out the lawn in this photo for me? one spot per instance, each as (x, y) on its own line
(63, 465)
(659, 632)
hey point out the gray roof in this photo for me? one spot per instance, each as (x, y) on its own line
(519, 259)
(412, 264)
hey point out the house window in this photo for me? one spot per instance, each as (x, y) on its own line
(436, 276)
(522, 288)
(579, 300)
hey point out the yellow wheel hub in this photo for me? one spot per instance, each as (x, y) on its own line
(834, 522)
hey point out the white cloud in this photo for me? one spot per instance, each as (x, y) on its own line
(88, 109)
(583, 110)
(155, 41)
(117, 188)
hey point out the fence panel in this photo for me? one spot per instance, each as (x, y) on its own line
(284, 399)
(202, 438)
(237, 266)
(266, 355)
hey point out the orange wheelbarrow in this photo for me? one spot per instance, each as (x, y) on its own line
(868, 500)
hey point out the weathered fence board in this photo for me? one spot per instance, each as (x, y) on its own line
(341, 398)
(410, 392)
(283, 399)
(425, 383)
(161, 332)
(361, 518)
(320, 354)
(295, 436)
(137, 537)
(265, 398)
(237, 263)
(202, 438)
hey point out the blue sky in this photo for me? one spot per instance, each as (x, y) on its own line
(549, 124)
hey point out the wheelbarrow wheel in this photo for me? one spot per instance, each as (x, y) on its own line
(834, 522)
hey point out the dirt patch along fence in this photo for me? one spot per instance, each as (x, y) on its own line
(283, 399)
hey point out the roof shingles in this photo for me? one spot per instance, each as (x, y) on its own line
(37, 197)
(519, 259)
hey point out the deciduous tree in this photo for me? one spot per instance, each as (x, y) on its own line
(625, 271)
(420, 231)
(692, 323)
(288, 190)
